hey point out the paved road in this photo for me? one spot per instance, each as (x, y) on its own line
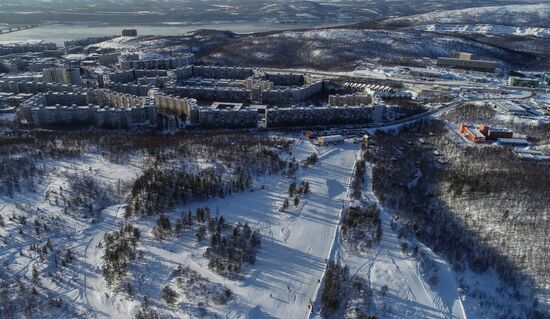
(395, 78)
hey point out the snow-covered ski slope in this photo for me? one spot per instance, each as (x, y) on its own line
(295, 243)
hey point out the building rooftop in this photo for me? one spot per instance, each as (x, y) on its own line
(499, 130)
(474, 131)
(512, 140)
(332, 137)
(510, 106)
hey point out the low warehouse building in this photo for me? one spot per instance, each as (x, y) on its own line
(331, 139)
(513, 142)
(467, 61)
(531, 155)
(525, 82)
(510, 107)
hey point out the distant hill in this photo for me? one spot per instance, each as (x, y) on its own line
(532, 15)
(277, 11)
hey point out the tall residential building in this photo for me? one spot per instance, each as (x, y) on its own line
(64, 75)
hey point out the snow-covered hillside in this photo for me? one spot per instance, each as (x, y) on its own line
(348, 48)
(486, 29)
(64, 236)
(534, 15)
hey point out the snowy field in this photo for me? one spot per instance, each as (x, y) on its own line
(7, 117)
(409, 294)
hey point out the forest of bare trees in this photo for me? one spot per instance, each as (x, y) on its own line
(53, 170)
(362, 226)
(481, 207)
(120, 251)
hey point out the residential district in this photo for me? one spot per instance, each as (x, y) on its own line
(90, 86)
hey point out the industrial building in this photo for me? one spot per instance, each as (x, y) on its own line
(531, 155)
(513, 142)
(466, 61)
(509, 107)
(525, 82)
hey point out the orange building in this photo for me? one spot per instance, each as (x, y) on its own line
(484, 129)
(471, 133)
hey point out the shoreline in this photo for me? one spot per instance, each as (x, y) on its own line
(58, 33)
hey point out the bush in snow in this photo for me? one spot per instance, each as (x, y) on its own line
(169, 295)
(146, 312)
(336, 278)
(231, 247)
(120, 250)
(362, 226)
